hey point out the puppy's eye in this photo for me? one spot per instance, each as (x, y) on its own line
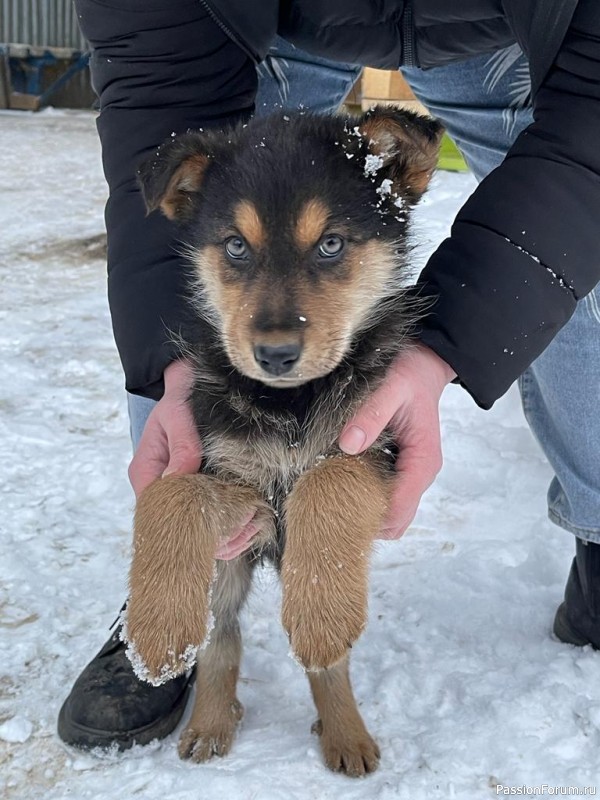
(235, 247)
(331, 246)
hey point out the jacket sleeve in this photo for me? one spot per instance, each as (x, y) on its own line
(524, 248)
(159, 68)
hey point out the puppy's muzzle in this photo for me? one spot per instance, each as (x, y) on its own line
(277, 360)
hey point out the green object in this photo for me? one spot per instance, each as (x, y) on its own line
(450, 156)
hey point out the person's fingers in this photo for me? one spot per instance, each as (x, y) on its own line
(414, 376)
(151, 456)
(184, 459)
(419, 461)
(372, 416)
(403, 507)
(185, 451)
(239, 543)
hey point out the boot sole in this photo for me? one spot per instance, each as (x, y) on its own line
(564, 631)
(85, 738)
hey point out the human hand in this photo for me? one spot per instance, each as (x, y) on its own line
(170, 446)
(169, 443)
(406, 402)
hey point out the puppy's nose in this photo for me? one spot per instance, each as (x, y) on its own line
(277, 360)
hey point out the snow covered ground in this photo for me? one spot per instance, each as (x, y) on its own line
(457, 673)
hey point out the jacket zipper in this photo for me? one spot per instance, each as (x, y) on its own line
(409, 57)
(227, 30)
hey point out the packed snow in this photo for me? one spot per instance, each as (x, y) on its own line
(457, 674)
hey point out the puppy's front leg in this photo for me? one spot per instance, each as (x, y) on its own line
(332, 515)
(179, 522)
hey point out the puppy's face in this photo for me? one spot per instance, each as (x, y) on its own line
(296, 228)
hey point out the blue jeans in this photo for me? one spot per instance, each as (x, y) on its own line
(484, 104)
(290, 78)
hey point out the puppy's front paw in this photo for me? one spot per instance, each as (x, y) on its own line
(171, 573)
(321, 621)
(316, 645)
(167, 624)
(160, 659)
(203, 739)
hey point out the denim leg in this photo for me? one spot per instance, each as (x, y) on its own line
(484, 104)
(289, 78)
(139, 409)
(561, 394)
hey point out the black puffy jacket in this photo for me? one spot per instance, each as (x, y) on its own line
(395, 33)
(522, 250)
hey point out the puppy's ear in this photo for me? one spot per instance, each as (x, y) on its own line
(407, 146)
(170, 179)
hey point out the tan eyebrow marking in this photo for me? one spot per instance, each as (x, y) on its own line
(311, 223)
(249, 224)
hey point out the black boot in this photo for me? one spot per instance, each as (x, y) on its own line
(577, 619)
(109, 705)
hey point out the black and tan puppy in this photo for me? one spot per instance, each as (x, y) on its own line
(296, 229)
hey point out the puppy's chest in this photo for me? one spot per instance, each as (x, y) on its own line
(268, 441)
(270, 458)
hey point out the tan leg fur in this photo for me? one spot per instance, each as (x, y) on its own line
(179, 522)
(345, 742)
(332, 515)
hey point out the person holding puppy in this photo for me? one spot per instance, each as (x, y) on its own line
(513, 289)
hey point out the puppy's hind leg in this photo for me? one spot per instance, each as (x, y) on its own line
(179, 522)
(345, 742)
(217, 711)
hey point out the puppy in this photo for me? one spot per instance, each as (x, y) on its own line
(296, 232)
